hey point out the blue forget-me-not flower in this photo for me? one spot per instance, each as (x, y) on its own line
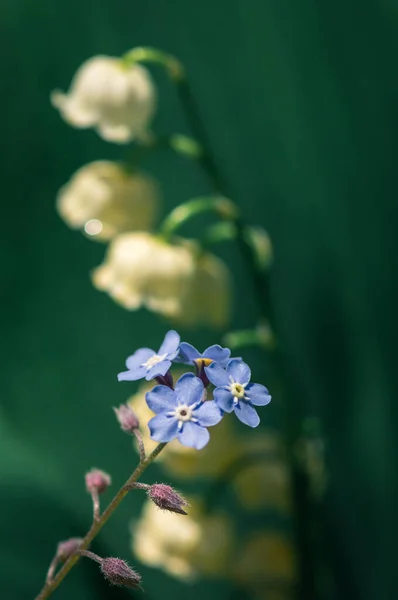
(149, 364)
(182, 413)
(234, 392)
(191, 356)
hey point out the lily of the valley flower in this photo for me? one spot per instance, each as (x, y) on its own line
(182, 413)
(234, 392)
(105, 199)
(115, 98)
(144, 270)
(150, 364)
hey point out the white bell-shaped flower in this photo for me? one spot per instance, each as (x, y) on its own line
(143, 270)
(115, 98)
(172, 279)
(105, 199)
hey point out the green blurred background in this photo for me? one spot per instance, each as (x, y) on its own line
(300, 103)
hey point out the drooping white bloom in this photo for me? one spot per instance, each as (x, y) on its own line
(143, 270)
(172, 279)
(115, 98)
(105, 199)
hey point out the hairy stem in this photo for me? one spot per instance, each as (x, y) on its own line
(51, 569)
(90, 555)
(96, 505)
(96, 527)
(140, 444)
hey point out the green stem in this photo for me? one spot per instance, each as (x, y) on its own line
(96, 527)
(179, 143)
(223, 208)
(207, 160)
(144, 54)
(300, 485)
(223, 231)
(261, 336)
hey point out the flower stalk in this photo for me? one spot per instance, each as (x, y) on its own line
(302, 519)
(145, 54)
(220, 206)
(51, 586)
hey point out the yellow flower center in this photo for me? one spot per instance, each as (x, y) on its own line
(203, 362)
(154, 360)
(237, 390)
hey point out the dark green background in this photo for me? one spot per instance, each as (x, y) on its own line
(300, 101)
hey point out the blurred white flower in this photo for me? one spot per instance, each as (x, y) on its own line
(144, 270)
(266, 566)
(184, 547)
(209, 298)
(264, 483)
(108, 94)
(105, 199)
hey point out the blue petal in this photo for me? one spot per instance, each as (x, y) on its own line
(188, 353)
(258, 394)
(247, 414)
(161, 399)
(193, 435)
(162, 428)
(217, 375)
(159, 369)
(224, 399)
(170, 344)
(218, 354)
(138, 358)
(133, 375)
(239, 371)
(208, 414)
(189, 389)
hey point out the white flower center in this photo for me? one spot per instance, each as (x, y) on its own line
(237, 390)
(154, 360)
(183, 413)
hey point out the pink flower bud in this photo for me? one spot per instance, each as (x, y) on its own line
(166, 498)
(67, 548)
(118, 572)
(127, 418)
(97, 481)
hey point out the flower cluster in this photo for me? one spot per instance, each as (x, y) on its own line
(183, 410)
(117, 203)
